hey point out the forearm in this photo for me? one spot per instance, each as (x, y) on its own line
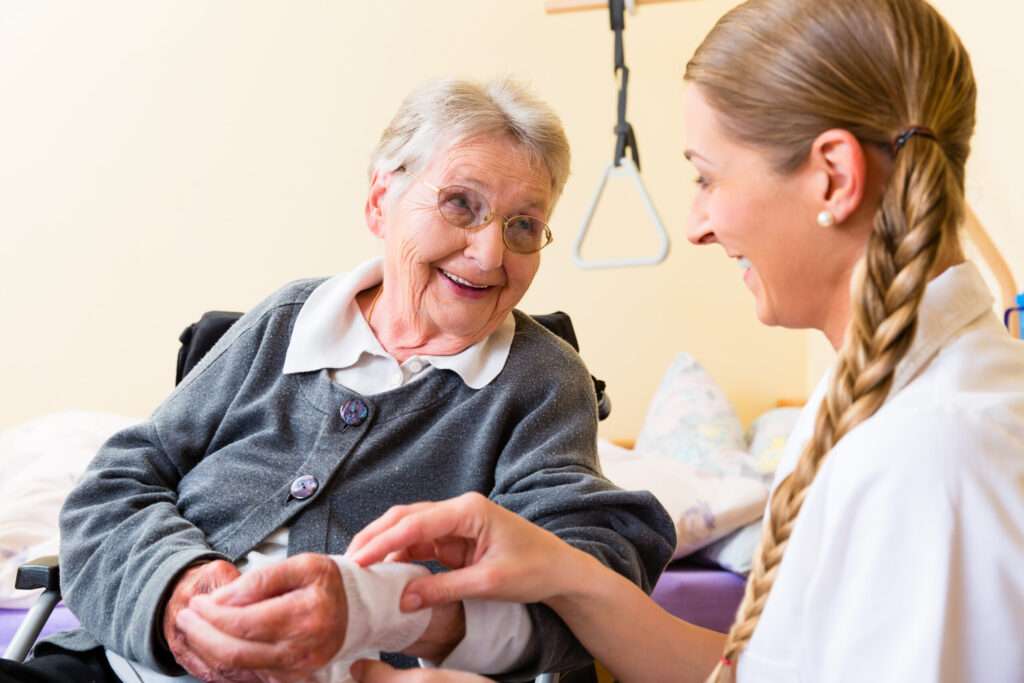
(627, 631)
(446, 630)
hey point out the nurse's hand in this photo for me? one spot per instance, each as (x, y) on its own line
(495, 553)
(370, 671)
(281, 622)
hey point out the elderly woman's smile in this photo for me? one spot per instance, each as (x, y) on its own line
(446, 286)
(465, 287)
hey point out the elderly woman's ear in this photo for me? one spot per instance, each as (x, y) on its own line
(376, 199)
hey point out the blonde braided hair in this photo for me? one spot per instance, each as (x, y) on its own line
(781, 72)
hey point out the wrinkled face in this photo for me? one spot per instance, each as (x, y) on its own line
(459, 284)
(763, 220)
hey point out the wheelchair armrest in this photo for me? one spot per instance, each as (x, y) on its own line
(42, 572)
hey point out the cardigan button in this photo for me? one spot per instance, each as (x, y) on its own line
(354, 412)
(304, 487)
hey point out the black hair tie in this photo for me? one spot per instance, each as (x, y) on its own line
(921, 131)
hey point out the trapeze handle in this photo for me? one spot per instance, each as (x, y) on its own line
(627, 167)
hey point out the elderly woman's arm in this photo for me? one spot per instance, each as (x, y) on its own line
(124, 541)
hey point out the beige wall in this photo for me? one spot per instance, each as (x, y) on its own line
(159, 159)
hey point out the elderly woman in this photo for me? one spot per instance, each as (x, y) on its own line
(411, 378)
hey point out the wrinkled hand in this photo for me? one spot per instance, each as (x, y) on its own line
(280, 623)
(495, 553)
(197, 580)
(370, 671)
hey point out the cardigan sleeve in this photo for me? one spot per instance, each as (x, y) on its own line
(123, 540)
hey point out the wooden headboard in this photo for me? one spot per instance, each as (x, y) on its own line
(993, 259)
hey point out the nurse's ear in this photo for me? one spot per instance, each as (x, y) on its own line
(376, 201)
(840, 170)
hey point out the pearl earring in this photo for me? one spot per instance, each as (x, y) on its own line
(826, 219)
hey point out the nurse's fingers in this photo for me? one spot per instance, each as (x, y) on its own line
(453, 553)
(394, 514)
(464, 517)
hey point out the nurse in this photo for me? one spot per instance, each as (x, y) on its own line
(830, 141)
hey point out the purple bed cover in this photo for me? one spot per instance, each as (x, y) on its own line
(700, 595)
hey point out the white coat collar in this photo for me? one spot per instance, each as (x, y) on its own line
(951, 302)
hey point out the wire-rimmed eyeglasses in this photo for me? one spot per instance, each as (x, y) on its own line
(465, 208)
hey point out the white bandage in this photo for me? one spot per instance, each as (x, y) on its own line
(375, 623)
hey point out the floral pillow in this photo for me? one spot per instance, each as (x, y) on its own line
(693, 458)
(711, 477)
(767, 436)
(690, 419)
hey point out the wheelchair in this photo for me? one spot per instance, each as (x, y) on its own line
(196, 340)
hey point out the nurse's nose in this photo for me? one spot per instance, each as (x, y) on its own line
(698, 228)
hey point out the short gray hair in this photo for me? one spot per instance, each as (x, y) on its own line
(450, 111)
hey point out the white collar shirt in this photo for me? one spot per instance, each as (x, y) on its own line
(331, 333)
(905, 561)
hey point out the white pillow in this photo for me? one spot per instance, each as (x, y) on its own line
(42, 460)
(767, 435)
(735, 552)
(704, 505)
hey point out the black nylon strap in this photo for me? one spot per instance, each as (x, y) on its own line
(625, 136)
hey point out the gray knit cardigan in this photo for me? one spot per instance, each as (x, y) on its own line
(208, 476)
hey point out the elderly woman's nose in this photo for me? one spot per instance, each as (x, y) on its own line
(486, 246)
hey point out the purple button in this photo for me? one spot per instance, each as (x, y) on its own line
(354, 412)
(304, 487)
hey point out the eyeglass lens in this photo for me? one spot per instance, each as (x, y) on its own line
(466, 208)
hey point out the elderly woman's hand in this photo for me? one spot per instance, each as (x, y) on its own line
(370, 671)
(282, 622)
(197, 580)
(496, 554)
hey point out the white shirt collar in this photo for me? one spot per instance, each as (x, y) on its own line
(330, 332)
(951, 302)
